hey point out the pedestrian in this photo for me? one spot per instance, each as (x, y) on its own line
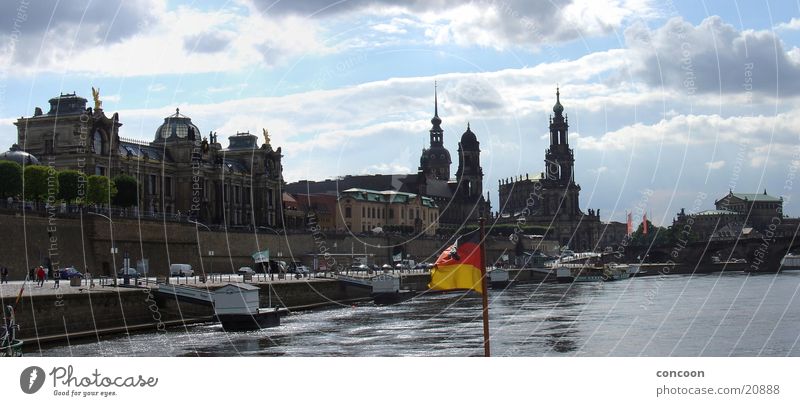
(40, 274)
(31, 274)
(56, 278)
(4, 275)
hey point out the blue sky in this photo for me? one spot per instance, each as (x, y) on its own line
(677, 98)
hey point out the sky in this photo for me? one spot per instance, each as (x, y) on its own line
(671, 104)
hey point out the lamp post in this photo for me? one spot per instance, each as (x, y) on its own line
(113, 247)
(210, 252)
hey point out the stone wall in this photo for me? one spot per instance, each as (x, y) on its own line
(86, 244)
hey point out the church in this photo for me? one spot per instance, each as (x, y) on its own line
(550, 199)
(460, 199)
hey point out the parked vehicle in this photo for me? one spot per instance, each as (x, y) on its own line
(131, 272)
(301, 269)
(181, 270)
(69, 272)
(245, 270)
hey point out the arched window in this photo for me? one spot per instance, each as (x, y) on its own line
(97, 142)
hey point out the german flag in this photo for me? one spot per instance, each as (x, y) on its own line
(460, 266)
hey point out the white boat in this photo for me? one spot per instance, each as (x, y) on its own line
(791, 262)
(498, 278)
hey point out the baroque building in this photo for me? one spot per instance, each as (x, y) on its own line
(178, 172)
(459, 200)
(551, 199)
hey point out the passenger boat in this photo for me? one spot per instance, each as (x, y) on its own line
(791, 262)
(236, 307)
(607, 273)
(498, 278)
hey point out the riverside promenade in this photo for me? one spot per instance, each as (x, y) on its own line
(70, 312)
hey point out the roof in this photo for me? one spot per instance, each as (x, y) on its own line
(177, 126)
(407, 183)
(235, 165)
(242, 286)
(142, 151)
(16, 154)
(755, 197)
(716, 213)
(243, 140)
(386, 196)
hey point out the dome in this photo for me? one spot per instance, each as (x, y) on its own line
(16, 154)
(67, 103)
(177, 126)
(558, 108)
(437, 155)
(468, 140)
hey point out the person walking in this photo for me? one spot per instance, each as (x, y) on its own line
(3, 275)
(40, 274)
(56, 278)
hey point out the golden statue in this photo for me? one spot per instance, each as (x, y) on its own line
(266, 136)
(98, 104)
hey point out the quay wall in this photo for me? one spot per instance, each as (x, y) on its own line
(86, 244)
(89, 313)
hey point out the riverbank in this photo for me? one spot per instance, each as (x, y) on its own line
(51, 315)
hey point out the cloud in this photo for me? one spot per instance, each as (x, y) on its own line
(697, 130)
(49, 31)
(712, 57)
(208, 41)
(147, 38)
(715, 165)
(485, 23)
(793, 24)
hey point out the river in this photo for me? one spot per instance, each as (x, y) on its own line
(731, 314)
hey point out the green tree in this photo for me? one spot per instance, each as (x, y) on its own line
(69, 185)
(100, 190)
(40, 183)
(10, 179)
(127, 188)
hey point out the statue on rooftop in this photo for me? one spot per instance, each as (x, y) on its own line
(98, 104)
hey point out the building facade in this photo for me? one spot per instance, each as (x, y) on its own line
(363, 210)
(550, 199)
(178, 172)
(459, 200)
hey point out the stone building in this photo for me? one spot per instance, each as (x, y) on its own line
(179, 171)
(460, 200)
(362, 210)
(739, 215)
(551, 198)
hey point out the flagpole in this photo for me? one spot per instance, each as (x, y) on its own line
(485, 294)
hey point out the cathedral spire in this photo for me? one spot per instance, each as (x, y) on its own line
(435, 100)
(558, 108)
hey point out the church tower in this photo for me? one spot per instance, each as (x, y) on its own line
(435, 160)
(469, 174)
(559, 158)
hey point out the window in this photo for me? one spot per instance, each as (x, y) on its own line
(168, 186)
(99, 170)
(391, 213)
(97, 143)
(48, 146)
(225, 193)
(236, 195)
(348, 212)
(363, 212)
(246, 195)
(152, 184)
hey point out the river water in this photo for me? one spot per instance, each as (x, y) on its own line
(680, 315)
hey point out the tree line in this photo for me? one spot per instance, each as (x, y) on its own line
(68, 186)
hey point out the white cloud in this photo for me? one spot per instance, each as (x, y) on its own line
(793, 24)
(715, 165)
(712, 57)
